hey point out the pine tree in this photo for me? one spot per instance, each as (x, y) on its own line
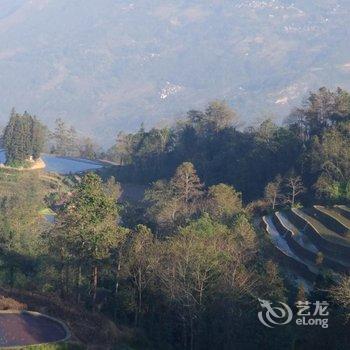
(24, 137)
(89, 224)
(38, 132)
(65, 139)
(223, 202)
(219, 116)
(187, 185)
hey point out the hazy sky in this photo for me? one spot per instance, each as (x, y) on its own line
(108, 65)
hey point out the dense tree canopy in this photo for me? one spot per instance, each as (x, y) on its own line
(313, 144)
(24, 137)
(185, 263)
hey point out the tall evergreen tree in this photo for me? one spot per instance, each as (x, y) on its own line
(65, 140)
(24, 137)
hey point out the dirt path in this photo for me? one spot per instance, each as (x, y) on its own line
(27, 329)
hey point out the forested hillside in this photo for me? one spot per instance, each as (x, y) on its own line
(312, 145)
(183, 264)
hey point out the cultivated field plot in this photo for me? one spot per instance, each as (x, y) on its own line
(343, 210)
(289, 231)
(337, 215)
(284, 248)
(311, 217)
(24, 329)
(297, 235)
(308, 249)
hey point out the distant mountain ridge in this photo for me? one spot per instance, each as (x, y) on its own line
(109, 65)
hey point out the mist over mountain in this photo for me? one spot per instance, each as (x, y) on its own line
(109, 65)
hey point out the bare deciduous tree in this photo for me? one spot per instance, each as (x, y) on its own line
(273, 191)
(295, 187)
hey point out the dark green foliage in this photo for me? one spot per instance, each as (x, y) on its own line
(190, 267)
(247, 160)
(64, 140)
(313, 144)
(24, 137)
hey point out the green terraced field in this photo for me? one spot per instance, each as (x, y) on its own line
(334, 213)
(309, 248)
(298, 235)
(310, 216)
(305, 234)
(343, 210)
(284, 249)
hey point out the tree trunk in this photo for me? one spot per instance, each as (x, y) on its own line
(139, 293)
(79, 285)
(184, 333)
(94, 285)
(117, 274)
(66, 277)
(12, 276)
(192, 333)
(293, 197)
(62, 278)
(136, 318)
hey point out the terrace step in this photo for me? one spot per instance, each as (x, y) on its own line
(336, 214)
(306, 269)
(333, 222)
(328, 248)
(343, 210)
(303, 247)
(331, 237)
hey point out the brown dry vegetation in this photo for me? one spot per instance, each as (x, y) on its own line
(11, 304)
